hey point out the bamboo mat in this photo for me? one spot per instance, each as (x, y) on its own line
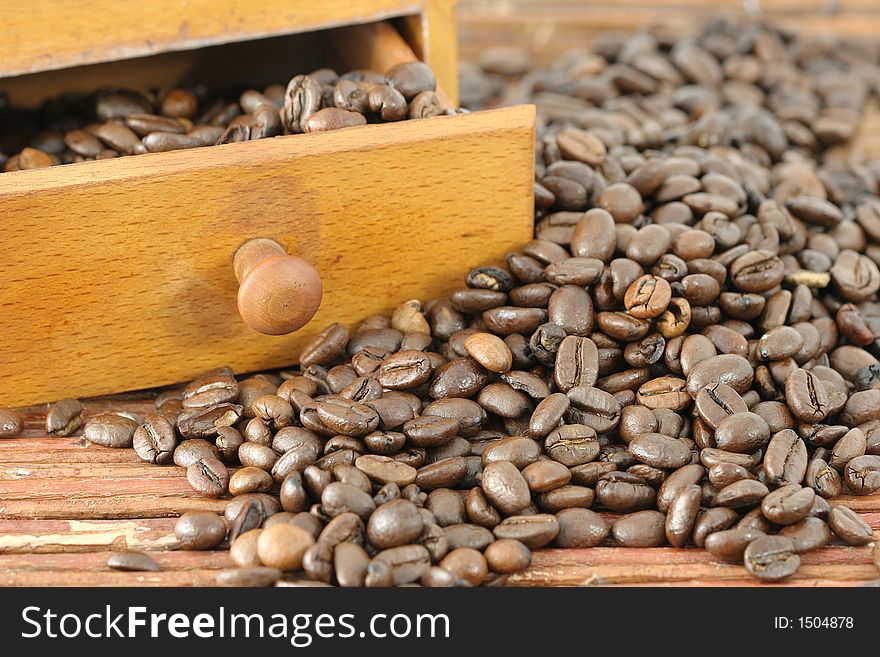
(65, 505)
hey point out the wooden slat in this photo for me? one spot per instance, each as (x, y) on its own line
(24, 535)
(51, 34)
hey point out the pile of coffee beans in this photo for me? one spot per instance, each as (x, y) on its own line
(114, 122)
(685, 355)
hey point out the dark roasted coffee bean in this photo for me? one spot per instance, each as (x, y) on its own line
(730, 545)
(862, 475)
(849, 526)
(155, 440)
(808, 534)
(63, 419)
(640, 529)
(785, 461)
(533, 531)
(208, 477)
(199, 530)
(771, 558)
(682, 515)
(110, 430)
(624, 493)
(132, 561)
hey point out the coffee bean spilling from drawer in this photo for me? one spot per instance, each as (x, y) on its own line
(109, 124)
(689, 346)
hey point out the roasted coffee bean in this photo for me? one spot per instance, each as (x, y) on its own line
(199, 530)
(771, 558)
(489, 351)
(742, 433)
(715, 403)
(572, 445)
(505, 487)
(664, 392)
(533, 531)
(682, 515)
(730, 369)
(395, 523)
(806, 396)
(623, 492)
(849, 526)
(850, 446)
(283, 546)
(577, 363)
(711, 521)
(745, 493)
(640, 529)
(647, 297)
(205, 422)
(132, 562)
(788, 504)
(785, 461)
(507, 556)
(730, 545)
(63, 419)
(660, 451)
(384, 470)
(188, 452)
(208, 477)
(155, 440)
(808, 534)
(862, 475)
(406, 562)
(11, 423)
(110, 430)
(212, 388)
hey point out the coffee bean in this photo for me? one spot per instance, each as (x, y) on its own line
(350, 563)
(572, 445)
(208, 477)
(110, 430)
(577, 363)
(507, 556)
(742, 433)
(155, 440)
(808, 534)
(640, 529)
(533, 531)
(785, 461)
(63, 419)
(660, 451)
(771, 558)
(624, 493)
(682, 515)
(199, 530)
(862, 474)
(505, 487)
(788, 504)
(283, 546)
(11, 423)
(132, 562)
(406, 562)
(256, 576)
(849, 526)
(715, 403)
(744, 493)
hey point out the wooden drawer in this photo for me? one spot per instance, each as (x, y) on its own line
(117, 274)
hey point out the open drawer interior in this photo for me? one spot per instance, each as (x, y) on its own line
(216, 73)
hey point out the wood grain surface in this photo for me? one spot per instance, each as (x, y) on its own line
(118, 273)
(66, 505)
(548, 28)
(51, 34)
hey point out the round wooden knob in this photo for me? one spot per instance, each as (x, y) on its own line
(277, 293)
